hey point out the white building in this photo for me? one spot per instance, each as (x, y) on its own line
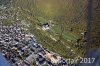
(46, 26)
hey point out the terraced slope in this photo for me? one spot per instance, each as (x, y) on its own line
(67, 20)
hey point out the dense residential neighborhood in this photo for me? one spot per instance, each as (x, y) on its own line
(20, 48)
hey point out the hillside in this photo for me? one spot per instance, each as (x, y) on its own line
(66, 19)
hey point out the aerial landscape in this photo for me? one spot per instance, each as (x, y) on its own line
(49, 33)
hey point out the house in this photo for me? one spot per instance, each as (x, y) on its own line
(46, 26)
(41, 60)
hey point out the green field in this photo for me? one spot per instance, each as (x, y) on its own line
(65, 15)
